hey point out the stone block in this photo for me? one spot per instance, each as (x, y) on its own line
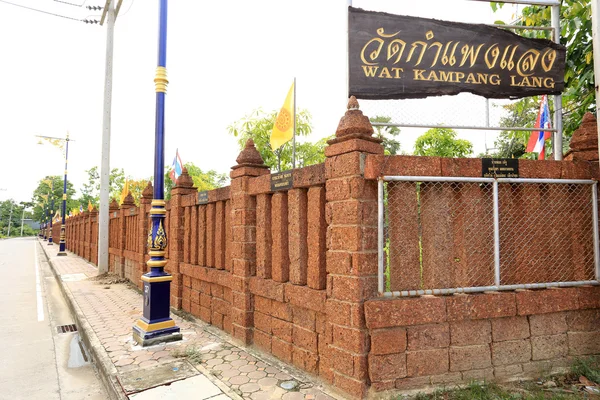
(478, 375)
(583, 320)
(281, 349)
(423, 337)
(481, 306)
(584, 343)
(388, 341)
(470, 357)
(427, 362)
(387, 367)
(405, 312)
(544, 301)
(510, 328)
(548, 324)
(503, 372)
(511, 352)
(549, 347)
(470, 332)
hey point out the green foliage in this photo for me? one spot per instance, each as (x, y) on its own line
(202, 180)
(387, 134)
(512, 144)
(442, 142)
(52, 187)
(258, 126)
(576, 33)
(13, 211)
(91, 190)
(588, 367)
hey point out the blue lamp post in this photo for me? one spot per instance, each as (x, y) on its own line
(156, 324)
(63, 243)
(51, 213)
(58, 142)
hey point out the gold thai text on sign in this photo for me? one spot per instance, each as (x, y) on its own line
(401, 57)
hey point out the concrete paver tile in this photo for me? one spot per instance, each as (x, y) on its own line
(239, 380)
(111, 314)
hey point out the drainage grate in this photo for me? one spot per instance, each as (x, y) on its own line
(66, 328)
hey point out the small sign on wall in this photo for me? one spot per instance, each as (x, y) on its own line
(203, 197)
(131, 211)
(282, 181)
(500, 167)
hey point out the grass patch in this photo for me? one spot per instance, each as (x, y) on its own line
(191, 353)
(588, 367)
(492, 391)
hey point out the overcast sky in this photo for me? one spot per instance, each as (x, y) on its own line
(225, 58)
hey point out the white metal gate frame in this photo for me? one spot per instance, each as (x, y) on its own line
(497, 286)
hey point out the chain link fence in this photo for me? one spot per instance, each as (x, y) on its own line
(448, 235)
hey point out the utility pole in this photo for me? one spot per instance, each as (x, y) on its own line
(22, 218)
(109, 14)
(10, 218)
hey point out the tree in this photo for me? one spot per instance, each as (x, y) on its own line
(576, 33)
(387, 133)
(512, 144)
(91, 190)
(258, 126)
(442, 142)
(51, 189)
(202, 180)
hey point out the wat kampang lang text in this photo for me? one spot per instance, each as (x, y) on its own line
(400, 57)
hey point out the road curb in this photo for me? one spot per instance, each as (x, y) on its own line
(104, 365)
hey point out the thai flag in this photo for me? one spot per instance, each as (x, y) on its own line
(538, 139)
(80, 208)
(177, 167)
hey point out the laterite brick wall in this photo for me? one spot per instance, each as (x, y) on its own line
(294, 272)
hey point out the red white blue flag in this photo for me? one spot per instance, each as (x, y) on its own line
(537, 140)
(177, 167)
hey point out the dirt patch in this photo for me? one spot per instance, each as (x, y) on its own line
(108, 279)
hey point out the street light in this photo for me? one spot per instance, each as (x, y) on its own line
(59, 142)
(156, 324)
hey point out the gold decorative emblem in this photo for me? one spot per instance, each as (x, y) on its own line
(284, 120)
(160, 241)
(149, 241)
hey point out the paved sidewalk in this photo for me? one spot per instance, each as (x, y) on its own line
(204, 365)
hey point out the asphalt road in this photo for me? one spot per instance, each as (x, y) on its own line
(36, 361)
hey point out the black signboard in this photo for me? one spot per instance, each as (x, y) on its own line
(399, 57)
(203, 197)
(500, 167)
(282, 181)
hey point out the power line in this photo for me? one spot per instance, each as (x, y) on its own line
(49, 13)
(71, 4)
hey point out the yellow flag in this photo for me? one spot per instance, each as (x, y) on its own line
(125, 191)
(283, 129)
(90, 206)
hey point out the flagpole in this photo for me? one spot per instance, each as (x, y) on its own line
(294, 137)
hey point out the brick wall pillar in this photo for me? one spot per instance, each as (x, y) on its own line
(243, 251)
(113, 208)
(183, 186)
(351, 214)
(584, 143)
(144, 224)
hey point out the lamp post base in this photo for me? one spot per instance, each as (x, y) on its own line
(61, 249)
(145, 337)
